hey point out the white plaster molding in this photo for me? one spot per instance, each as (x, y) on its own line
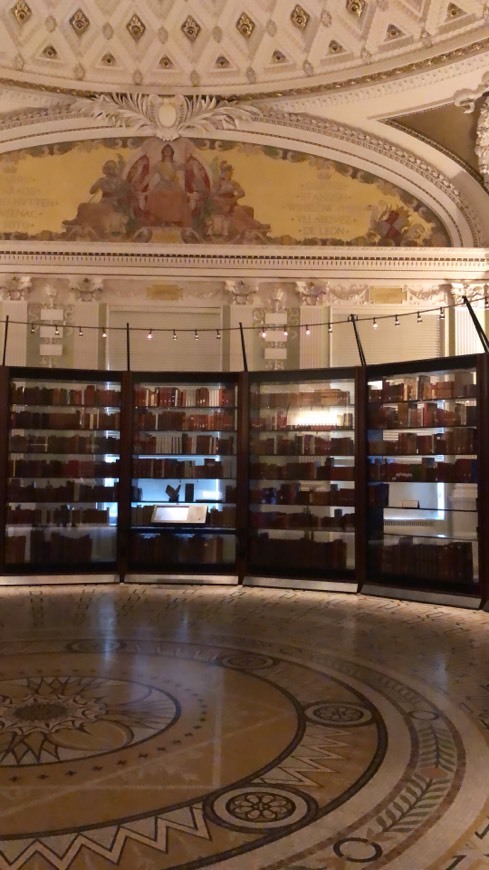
(167, 118)
(482, 141)
(466, 99)
(418, 295)
(395, 265)
(15, 288)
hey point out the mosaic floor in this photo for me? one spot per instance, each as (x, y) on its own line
(146, 728)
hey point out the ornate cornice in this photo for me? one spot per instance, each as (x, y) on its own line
(395, 265)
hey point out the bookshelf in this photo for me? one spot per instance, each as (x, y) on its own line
(302, 470)
(423, 471)
(63, 463)
(184, 478)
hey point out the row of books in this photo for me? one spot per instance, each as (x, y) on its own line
(302, 398)
(301, 520)
(293, 494)
(79, 419)
(71, 491)
(88, 395)
(35, 442)
(162, 421)
(306, 444)
(165, 396)
(284, 422)
(432, 444)
(182, 468)
(427, 414)
(184, 443)
(64, 515)
(292, 554)
(301, 471)
(448, 562)
(459, 385)
(48, 548)
(73, 467)
(426, 471)
(168, 548)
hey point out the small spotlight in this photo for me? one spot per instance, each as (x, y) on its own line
(33, 329)
(56, 330)
(263, 332)
(442, 314)
(80, 331)
(104, 333)
(374, 323)
(308, 331)
(150, 335)
(419, 319)
(196, 334)
(218, 334)
(174, 335)
(286, 331)
(396, 321)
(330, 328)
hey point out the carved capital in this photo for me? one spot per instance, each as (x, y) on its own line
(474, 291)
(310, 293)
(241, 293)
(15, 288)
(87, 289)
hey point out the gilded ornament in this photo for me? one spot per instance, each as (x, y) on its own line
(335, 47)
(49, 52)
(108, 59)
(356, 7)
(299, 17)
(79, 22)
(136, 28)
(278, 56)
(191, 28)
(245, 25)
(22, 11)
(166, 63)
(222, 62)
(454, 11)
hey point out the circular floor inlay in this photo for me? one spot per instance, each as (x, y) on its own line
(44, 720)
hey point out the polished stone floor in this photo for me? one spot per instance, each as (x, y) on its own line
(150, 727)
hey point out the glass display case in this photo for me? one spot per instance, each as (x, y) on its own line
(423, 473)
(63, 472)
(183, 500)
(302, 475)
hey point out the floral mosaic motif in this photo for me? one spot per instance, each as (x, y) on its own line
(339, 714)
(44, 720)
(79, 22)
(261, 807)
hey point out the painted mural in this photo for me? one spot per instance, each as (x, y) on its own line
(203, 191)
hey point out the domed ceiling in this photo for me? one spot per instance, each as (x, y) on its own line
(230, 46)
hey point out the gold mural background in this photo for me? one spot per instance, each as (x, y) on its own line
(203, 191)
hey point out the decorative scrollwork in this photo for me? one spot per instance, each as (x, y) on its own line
(166, 117)
(15, 288)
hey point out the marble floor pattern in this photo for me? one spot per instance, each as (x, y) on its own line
(154, 727)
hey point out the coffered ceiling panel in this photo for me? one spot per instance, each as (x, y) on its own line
(228, 46)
